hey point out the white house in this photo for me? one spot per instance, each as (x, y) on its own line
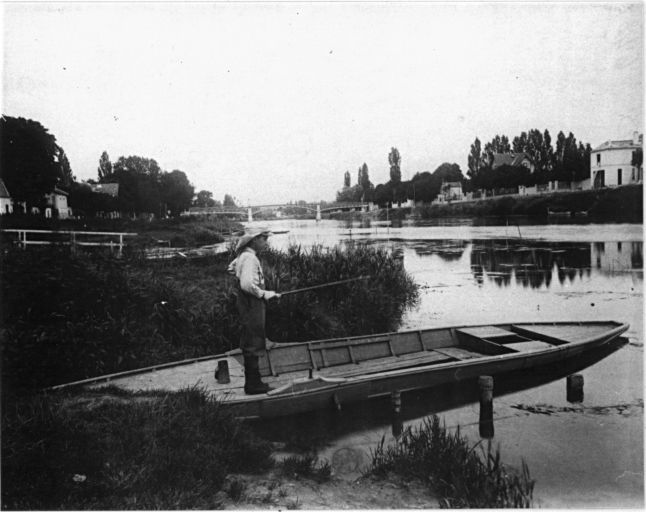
(611, 163)
(6, 204)
(57, 200)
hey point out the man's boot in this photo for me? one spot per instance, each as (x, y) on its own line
(253, 384)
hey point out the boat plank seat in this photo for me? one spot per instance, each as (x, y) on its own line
(558, 334)
(491, 333)
(387, 364)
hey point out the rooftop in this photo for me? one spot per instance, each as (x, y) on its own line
(3, 189)
(621, 144)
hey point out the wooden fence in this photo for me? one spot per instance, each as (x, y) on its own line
(115, 241)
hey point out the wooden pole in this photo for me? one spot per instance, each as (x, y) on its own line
(222, 372)
(574, 393)
(396, 402)
(334, 283)
(485, 384)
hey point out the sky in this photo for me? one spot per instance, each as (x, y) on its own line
(274, 102)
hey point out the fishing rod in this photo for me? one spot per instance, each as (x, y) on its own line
(334, 283)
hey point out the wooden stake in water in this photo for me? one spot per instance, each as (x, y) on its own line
(485, 384)
(574, 392)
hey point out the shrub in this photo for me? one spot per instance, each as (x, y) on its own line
(168, 451)
(453, 468)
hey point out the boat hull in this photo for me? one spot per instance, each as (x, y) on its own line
(333, 373)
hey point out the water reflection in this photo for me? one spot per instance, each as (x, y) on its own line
(617, 256)
(535, 264)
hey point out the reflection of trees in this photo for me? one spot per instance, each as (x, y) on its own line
(614, 257)
(448, 250)
(530, 265)
(636, 257)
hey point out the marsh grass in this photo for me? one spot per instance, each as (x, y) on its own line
(69, 317)
(173, 451)
(464, 476)
(306, 466)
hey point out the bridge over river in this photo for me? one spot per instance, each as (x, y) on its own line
(250, 211)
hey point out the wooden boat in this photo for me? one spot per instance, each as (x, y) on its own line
(335, 372)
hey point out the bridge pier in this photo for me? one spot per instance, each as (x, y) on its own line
(318, 212)
(249, 215)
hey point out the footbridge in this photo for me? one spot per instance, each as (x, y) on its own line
(250, 211)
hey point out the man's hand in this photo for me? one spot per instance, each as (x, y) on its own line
(268, 295)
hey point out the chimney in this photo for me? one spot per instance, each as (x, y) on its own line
(635, 138)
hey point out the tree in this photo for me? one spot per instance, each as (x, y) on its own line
(105, 168)
(346, 179)
(86, 202)
(176, 192)
(349, 194)
(66, 178)
(475, 159)
(29, 160)
(394, 159)
(363, 181)
(138, 179)
(228, 200)
(204, 198)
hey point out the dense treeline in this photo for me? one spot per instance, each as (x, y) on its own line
(32, 164)
(569, 160)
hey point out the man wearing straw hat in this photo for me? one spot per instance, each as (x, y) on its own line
(251, 297)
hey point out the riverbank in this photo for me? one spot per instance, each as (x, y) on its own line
(620, 204)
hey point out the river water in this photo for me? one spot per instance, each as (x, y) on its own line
(582, 455)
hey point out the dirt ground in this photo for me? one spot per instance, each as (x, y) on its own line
(272, 491)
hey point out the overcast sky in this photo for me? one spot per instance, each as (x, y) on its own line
(273, 102)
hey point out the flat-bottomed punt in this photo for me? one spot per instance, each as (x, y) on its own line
(327, 373)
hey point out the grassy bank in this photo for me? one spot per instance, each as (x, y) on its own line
(173, 452)
(456, 471)
(621, 204)
(71, 317)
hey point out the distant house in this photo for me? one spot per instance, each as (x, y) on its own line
(56, 201)
(611, 163)
(6, 204)
(449, 191)
(112, 189)
(513, 160)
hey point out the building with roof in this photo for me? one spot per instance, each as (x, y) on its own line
(112, 189)
(513, 160)
(611, 164)
(57, 201)
(6, 203)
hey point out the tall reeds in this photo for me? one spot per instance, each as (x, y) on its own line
(463, 475)
(68, 317)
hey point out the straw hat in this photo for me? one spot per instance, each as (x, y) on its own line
(249, 235)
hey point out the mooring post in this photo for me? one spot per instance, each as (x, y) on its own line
(73, 242)
(396, 403)
(574, 392)
(222, 372)
(485, 385)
